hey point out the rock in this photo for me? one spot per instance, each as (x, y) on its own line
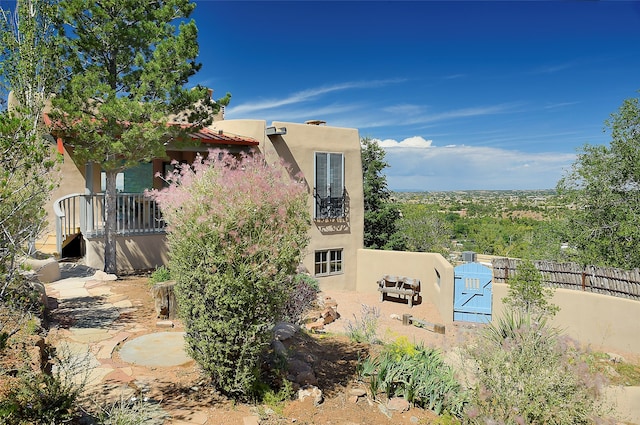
(297, 366)
(42, 294)
(398, 404)
(353, 399)
(279, 347)
(329, 302)
(358, 392)
(315, 326)
(47, 270)
(283, 331)
(395, 316)
(100, 275)
(164, 324)
(251, 420)
(384, 410)
(313, 392)
(329, 315)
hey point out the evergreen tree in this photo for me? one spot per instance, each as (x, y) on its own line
(528, 294)
(604, 187)
(380, 215)
(127, 65)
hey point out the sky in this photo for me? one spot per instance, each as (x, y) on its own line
(461, 95)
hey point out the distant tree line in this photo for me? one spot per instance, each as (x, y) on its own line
(592, 219)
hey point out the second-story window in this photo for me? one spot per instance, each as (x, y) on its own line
(329, 185)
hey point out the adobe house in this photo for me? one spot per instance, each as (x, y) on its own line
(330, 161)
(328, 157)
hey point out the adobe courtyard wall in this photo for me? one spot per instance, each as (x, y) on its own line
(598, 321)
(433, 270)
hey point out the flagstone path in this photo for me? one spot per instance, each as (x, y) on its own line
(118, 359)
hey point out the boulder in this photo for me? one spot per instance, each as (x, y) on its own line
(313, 392)
(398, 404)
(47, 270)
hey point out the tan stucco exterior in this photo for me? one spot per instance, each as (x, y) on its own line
(132, 253)
(433, 270)
(600, 321)
(298, 147)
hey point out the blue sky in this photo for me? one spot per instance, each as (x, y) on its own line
(461, 95)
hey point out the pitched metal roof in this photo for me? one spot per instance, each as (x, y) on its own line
(207, 135)
(204, 135)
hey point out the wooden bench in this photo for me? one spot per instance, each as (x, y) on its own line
(401, 286)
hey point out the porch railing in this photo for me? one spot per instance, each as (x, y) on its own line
(85, 213)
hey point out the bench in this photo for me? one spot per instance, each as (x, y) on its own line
(401, 286)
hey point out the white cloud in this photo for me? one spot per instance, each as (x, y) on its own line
(460, 167)
(306, 95)
(410, 142)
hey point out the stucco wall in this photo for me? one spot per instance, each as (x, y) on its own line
(71, 180)
(297, 147)
(601, 321)
(373, 264)
(142, 252)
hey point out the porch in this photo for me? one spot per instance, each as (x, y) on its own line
(80, 223)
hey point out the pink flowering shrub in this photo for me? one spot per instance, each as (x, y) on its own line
(237, 229)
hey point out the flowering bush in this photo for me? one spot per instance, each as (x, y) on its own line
(526, 372)
(237, 229)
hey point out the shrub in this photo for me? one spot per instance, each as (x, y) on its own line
(527, 293)
(160, 274)
(415, 372)
(365, 329)
(131, 411)
(526, 373)
(46, 398)
(302, 295)
(237, 229)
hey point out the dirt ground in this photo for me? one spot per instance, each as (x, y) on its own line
(183, 393)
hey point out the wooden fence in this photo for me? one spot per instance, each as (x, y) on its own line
(608, 281)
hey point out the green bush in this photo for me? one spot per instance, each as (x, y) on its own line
(160, 274)
(527, 292)
(527, 373)
(45, 398)
(416, 373)
(237, 230)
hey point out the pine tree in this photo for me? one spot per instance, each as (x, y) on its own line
(127, 66)
(380, 215)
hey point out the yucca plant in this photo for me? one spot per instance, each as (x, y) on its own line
(525, 372)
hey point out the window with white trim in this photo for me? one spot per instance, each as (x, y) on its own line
(329, 185)
(328, 262)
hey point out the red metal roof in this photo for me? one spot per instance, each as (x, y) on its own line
(204, 135)
(207, 135)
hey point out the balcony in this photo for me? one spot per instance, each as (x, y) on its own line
(329, 207)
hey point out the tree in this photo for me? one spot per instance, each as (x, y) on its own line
(604, 186)
(527, 293)
(28, 71)
(127, 66)
(380, 215)
(424, 230)
(237, 230)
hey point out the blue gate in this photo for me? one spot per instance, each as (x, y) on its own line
(472, 293)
